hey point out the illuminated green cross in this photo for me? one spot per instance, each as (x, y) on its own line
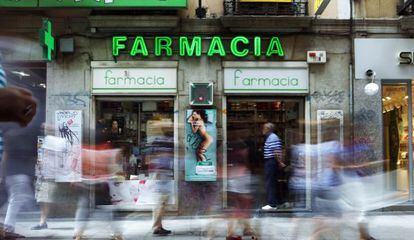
(47, 41)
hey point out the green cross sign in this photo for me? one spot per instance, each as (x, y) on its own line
(47, 41)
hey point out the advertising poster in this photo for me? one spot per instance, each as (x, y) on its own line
(200, 145)
(68, 126)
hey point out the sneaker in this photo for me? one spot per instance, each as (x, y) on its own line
(161, 232)
(39, 226)
(268, 207)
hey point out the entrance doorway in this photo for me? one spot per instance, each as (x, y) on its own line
(398, 138)
(245, 118)
(145, 132)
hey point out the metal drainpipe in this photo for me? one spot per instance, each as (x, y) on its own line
(351, 74)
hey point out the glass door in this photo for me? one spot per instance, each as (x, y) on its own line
(144, 132)
(397, 135)
(245, 118)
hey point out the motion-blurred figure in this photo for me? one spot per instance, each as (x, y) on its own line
(99, 165)
(19, 106)
(240, 181)
(44, 189)
(159, 156)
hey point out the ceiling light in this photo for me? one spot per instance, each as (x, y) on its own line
(21, 74)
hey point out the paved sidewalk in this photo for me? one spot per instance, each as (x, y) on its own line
(382, 227)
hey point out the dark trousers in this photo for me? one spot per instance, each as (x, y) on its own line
(270, 168)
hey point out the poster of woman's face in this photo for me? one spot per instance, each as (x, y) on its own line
(201, 144)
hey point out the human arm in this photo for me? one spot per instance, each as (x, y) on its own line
(274, 144)
(17, 105)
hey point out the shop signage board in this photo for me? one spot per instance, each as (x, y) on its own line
(134, 80)
(390, 58)
(200, 145)
(68, 126)
(266, 80)
(95, 3)
(18, 3)
(261, 1)
(47, 41)
(240, 46)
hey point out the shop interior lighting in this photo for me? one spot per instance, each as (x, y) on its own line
(20, 74)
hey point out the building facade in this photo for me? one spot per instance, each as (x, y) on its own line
(136, 71)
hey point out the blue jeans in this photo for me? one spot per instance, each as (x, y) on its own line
(270, 168)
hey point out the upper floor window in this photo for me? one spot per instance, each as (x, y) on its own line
(406, 7)
(266, 7)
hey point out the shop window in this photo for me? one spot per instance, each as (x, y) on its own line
(144, 131)
(395, 107)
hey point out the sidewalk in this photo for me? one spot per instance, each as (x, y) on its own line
(382, 227)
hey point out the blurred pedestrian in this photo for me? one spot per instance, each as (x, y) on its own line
(239, 185)
(273, 159)
(159, 155)
(100, 165)
(44, 191)
(19, 145)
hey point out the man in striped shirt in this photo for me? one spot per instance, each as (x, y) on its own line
(272, 154)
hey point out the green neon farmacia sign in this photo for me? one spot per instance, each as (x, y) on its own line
(240, 46)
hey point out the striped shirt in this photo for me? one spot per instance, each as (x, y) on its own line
(3, 83)
(272, 146)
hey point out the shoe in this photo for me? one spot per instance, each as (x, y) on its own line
(161, 232)
(268, 207)
(10, 235)
(249, 233)
(233, 237)
(367, 238)
(39, 227)
(79, 237)
(117, 236)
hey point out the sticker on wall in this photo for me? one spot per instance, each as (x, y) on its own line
(68, 126)
(200, 145)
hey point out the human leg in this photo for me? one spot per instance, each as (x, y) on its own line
(20, 194)
(270, 181)
(158, 214)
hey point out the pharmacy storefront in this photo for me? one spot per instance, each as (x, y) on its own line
(256, 93)
(148, 110)
(185, 110)
(135, 111)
